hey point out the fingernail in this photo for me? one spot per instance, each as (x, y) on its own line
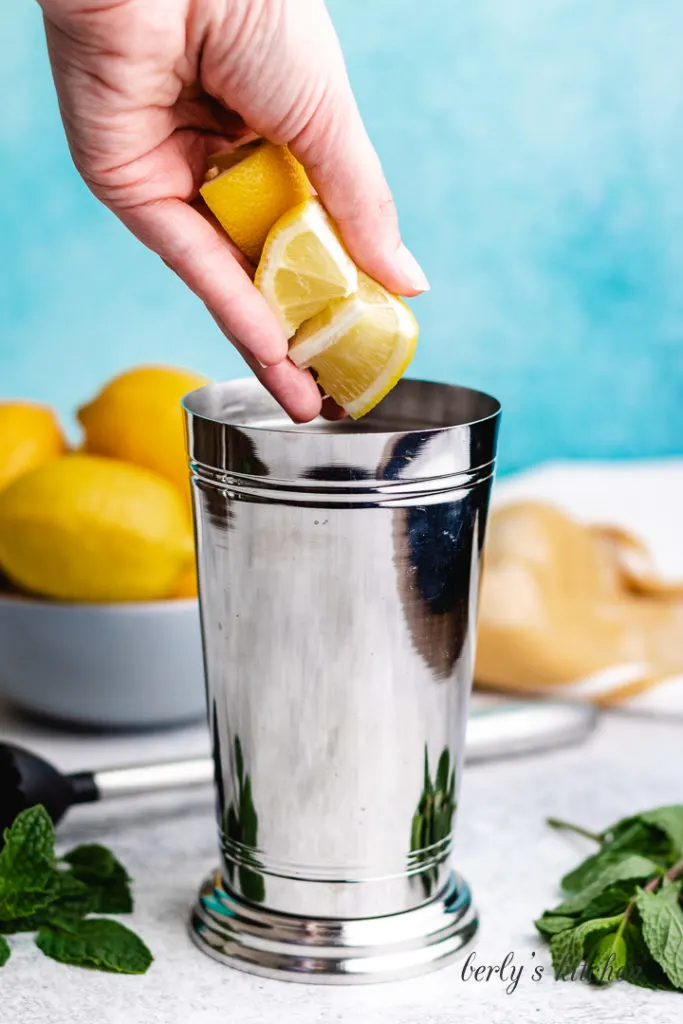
(412, 269)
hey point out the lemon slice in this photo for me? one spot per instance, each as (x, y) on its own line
(247, 189)
(304, 266)
(359, 346)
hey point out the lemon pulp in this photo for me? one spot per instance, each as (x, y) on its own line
(359, 346)
(304, 266)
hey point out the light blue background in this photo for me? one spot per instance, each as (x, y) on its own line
(535, 148)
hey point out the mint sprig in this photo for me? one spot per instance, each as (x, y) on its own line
(622, 915)
(54, 897)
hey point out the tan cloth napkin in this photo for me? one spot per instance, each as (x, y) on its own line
(582, 593)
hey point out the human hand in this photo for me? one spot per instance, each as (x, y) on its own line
(148, 89)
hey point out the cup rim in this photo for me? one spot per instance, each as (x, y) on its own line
(325, 428)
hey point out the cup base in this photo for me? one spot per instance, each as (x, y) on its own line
(332, 951)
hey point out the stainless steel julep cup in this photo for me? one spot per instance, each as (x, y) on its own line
(338, 578)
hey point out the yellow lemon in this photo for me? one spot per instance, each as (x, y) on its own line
(137, 417)
(187, 584)
(304, 266)
(249, 188)
(29, 436)
(84, 528)
(359, 346)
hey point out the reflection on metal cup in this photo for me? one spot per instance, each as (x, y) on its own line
(338, 578)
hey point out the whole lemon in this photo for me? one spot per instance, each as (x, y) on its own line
(84, 528)
(29, 436)
(186, 586)
(137, 417)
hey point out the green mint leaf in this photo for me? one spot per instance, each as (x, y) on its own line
(22, 897)
(27, 864)
(30, 841)
(22, 924)
(5, 951)
(608, 958)
(93, 862)
(100, 943)
(106, 878)
(612, 900)
(664, 826)
(635, 838)
(75, 900)
(662, 919)
(71, 900)
(657, 834)
(642, 969)
(623, 955)
(114, 898)
(550, 924)
(68, 886)
(36, 894)
(632, 868)
(568, 947)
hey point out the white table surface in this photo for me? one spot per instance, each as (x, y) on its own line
(512, 860)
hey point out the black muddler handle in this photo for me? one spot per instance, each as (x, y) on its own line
(27, 779)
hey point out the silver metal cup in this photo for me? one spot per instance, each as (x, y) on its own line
(338, 579)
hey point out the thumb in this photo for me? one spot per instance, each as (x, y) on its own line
(345, 171)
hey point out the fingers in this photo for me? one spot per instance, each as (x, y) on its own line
(294, 389)
(345, 171)
(192, 247)
(188, 243)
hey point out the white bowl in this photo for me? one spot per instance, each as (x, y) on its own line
(133, 665)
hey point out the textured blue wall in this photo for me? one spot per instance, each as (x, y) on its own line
(535, 148)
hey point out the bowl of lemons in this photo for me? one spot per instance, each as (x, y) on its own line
(99, 620)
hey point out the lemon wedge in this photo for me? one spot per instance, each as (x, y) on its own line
(247, 189)
(304, 266)
(359, 346)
